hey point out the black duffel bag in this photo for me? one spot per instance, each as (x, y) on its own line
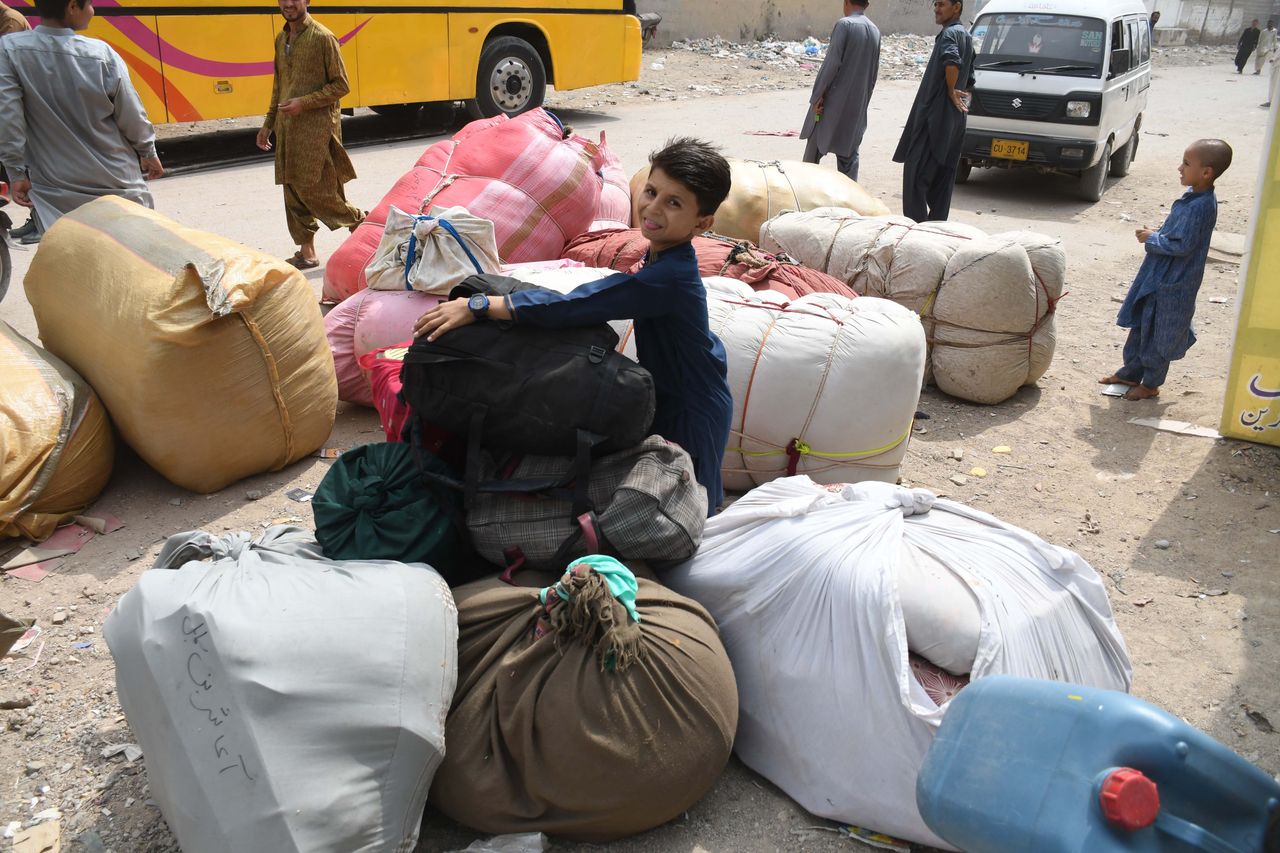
(526, 389)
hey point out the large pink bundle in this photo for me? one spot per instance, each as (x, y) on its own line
(623, 250)
(538, 188)
(370, 320)
(614, 208)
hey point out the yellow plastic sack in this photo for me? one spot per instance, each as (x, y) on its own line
(56, 447)
(210, 356)
(763, 189)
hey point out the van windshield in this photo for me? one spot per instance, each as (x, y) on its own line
(1043, 44)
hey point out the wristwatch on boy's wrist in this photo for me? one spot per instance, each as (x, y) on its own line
(479, 305)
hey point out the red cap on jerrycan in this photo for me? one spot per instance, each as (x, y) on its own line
(1129, 799)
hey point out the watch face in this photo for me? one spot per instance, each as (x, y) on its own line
(478, 303)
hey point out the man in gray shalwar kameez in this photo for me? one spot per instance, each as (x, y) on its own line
(837, 116)
(72, 127)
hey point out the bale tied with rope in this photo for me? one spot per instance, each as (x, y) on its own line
(987, 303)
(763, 189)
(822, 385)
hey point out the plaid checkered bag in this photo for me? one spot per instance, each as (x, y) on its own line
(644, 504)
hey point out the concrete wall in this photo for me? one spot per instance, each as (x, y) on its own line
(1213, 21)
(793, 20)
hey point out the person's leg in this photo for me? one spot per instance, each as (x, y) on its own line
(1131, 372)
(1258, 59)
(941, 184)
(914, 187)
(848, 165)
(327, 201)
(811, 154)
(301, 222)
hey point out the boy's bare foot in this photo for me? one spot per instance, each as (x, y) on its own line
(1115, 380)
(1141, 392)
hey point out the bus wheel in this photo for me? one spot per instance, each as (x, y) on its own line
(510, 80)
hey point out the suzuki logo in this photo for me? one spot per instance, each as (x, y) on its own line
(1017, 103)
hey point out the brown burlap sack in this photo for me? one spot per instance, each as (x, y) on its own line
(543, 738)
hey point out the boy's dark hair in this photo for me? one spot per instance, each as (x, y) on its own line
(1216, 154)
(699, 166)
(55, 9)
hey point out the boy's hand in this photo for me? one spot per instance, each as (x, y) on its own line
(443, 318)
(1143, 233)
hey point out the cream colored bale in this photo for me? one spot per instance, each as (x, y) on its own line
(210, 357)
(764, 189)
(984, 315)
(1049, 263)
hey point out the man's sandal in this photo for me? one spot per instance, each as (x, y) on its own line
(300, 262)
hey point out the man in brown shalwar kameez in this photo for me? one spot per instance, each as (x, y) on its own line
(311, 163)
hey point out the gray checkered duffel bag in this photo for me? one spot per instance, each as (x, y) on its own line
(642, 504)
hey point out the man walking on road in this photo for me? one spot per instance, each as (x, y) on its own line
(72, 127)
(837, 118)
(930, 145)
(311, 163)
(1266, 47)
(1244, 47)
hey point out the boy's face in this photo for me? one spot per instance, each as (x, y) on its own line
(1193, 170)
(667, 212)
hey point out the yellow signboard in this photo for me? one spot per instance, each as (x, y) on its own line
(1252, 407)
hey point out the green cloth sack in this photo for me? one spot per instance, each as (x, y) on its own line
(375, 505)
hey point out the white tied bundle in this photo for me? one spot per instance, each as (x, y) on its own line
(987, 302)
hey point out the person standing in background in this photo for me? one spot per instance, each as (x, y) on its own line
(72, 127)
(837, 117)
(931, 141)
(1266, 47)
(311, 164)
(1244, 47)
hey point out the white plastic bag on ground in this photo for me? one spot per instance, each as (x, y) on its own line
(803, 582)
(284, 701)
(432, 253)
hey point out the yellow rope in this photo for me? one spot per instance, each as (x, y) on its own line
(805, 450)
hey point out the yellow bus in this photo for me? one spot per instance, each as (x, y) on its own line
(205, 59)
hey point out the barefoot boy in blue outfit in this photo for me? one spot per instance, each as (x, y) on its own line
(1158, 310)
(688, 180)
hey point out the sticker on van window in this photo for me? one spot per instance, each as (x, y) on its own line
(979, 31)
(1091, 38)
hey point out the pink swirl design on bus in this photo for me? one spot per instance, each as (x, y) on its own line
(138, 33)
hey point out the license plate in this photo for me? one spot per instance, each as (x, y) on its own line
(1009, 149)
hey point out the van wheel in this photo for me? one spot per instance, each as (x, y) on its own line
(1121, 159)
(964, 170)
(511, 79)
(1093, 180)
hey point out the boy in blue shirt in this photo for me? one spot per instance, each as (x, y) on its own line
(688, 179)
(1158, 310)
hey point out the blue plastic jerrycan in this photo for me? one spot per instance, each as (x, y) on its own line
(1035, 766)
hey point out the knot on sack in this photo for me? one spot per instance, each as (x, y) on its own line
(597, 609)
(795, 449)
(368, 493)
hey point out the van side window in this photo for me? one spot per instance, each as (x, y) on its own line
(1118, 36)
(1144, 37)
(1134, 41)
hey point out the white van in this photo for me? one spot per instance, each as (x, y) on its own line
(1058, 87)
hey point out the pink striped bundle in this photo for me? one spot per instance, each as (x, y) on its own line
(538, 188)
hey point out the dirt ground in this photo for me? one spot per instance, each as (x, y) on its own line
(1185, 529)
